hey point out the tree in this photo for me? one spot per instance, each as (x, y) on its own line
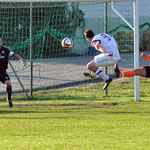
(57, 21)
(51, 22)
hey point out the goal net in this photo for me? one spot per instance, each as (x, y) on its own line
(34, 30)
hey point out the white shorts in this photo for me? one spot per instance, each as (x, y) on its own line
(102, 60)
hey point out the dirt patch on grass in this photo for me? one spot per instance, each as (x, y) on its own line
(71, 105)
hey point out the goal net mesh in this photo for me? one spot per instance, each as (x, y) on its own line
(53, 66)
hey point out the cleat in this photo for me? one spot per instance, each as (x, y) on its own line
(117, 71)
(107, 83)
(10, 103)
(90, 76)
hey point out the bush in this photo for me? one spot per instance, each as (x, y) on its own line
(146, 39)
(125, 41)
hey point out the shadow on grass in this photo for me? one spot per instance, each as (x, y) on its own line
(127, 112)
(67, 98)
(55, 108)
(15, 112)
(43, 118)
(69, 114)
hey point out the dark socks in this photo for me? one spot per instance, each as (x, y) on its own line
(9, 91)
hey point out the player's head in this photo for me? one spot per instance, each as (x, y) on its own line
(89, 34)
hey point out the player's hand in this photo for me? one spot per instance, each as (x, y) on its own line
(24, 62)
(97, 46)
(109, 54)
(143, 55)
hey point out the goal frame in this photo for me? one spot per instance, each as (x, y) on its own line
(135, 29)
(68, 1)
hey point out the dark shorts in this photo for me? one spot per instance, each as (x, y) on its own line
(4, 76)
(147, 68)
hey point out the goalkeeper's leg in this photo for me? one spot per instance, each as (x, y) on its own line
(4, 78)
(143, 72)
(9, 92)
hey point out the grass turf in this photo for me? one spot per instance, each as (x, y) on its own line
(124, 126)
(72, 119)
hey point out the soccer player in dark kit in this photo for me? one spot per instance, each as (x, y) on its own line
(5, 53)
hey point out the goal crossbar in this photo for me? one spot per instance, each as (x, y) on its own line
(66, 1)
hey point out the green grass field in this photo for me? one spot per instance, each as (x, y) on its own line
(75, 119)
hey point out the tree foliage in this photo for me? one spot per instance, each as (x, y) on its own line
(51, 22)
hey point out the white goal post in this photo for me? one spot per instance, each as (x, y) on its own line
(135, 29)
(68, 1)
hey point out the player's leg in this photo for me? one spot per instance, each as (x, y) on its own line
(105, 61)
(4, 78)
(143, 72)
(9, 92)
(94, 67)
(90, 75)
(91, 66)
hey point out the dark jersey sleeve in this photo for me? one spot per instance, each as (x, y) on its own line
(9, 51)
(5, 52)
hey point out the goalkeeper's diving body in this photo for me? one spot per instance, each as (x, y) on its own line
(109, 55)
(5, 52)
(143, 71)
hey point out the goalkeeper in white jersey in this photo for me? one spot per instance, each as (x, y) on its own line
(107, 45)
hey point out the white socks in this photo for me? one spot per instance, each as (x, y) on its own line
(102, 74)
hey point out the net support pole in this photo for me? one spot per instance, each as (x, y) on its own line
(106, 31)
(18, 79)
(112, 6)
(31, 53)
(136, 48)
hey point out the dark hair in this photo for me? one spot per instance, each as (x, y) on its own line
(88, 33)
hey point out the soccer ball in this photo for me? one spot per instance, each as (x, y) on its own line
(67, 43)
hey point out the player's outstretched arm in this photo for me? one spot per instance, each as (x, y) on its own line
(145, 56)
(99, 48)
(18, 57)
